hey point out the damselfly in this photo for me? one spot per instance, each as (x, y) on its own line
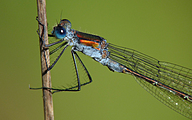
(169, 83)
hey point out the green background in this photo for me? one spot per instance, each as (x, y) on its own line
(161, 28)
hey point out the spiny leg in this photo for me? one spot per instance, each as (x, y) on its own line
(78, 86)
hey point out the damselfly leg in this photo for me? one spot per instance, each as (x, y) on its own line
(58, 48)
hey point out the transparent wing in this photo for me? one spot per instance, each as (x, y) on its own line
(171, 75)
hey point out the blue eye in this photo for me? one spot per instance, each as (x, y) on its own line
(59, 32)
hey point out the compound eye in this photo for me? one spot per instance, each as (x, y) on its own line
(59, 32)
(65, 23)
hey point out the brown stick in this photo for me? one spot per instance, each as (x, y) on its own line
(46, 78)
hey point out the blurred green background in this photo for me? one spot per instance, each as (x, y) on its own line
(161, 28)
